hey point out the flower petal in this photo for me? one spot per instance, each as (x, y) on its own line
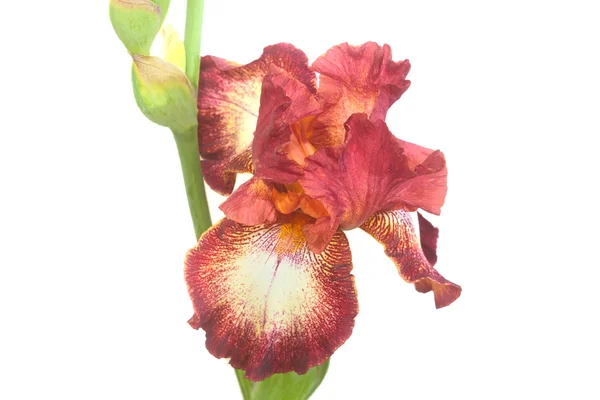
(356, 79)
(371, 172)
(228, 105)
(319, 233)
(266, 301)
(221, 174)
(251, 204)
(429, 237)
(284, 101)
(395, 231)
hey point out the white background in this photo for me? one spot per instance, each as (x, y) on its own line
(94, 221)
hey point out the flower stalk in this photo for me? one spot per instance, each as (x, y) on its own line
(187, 142)
(193, 33)
(187, 147)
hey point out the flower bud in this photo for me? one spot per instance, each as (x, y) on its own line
(164, 93)
(164, 7)
(173, 49)
(137, 22)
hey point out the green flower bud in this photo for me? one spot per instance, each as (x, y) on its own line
(173, 49)
(164, 7)
(137, 22)
(164, 93)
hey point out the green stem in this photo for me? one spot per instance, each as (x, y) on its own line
(187, 146)
(187, 143)
(193, 33)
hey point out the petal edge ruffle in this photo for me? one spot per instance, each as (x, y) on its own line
(356, 79)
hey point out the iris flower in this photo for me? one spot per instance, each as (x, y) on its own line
(271, 283)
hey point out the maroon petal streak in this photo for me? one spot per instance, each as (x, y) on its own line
(395, 232)
(371, 172)
(228, 105)
(356, 79)
(266, 301)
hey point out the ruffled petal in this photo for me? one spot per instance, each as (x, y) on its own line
(285, 102)
(356, 79)
(394, 230)
(251, 204)
(266, 301)
(371, 172)
(228, 105)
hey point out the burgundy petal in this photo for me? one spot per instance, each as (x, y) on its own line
(356, 79)
(429, 237)
(285, 102)
(395, 232)
(372, 172)
(251, 204)
(228, 105)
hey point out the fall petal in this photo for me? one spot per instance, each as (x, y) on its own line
(429, 237)
(228, 105)
(394, 230)
(251, 204)
(356, 79)
(266, 301)
(372, 172)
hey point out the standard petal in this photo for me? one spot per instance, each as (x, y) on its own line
(251, 204)
(221, 174)
(285, 104)
(228, 104)
(356, 79)
(371, 172)
(394, 230)
(266, 301)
